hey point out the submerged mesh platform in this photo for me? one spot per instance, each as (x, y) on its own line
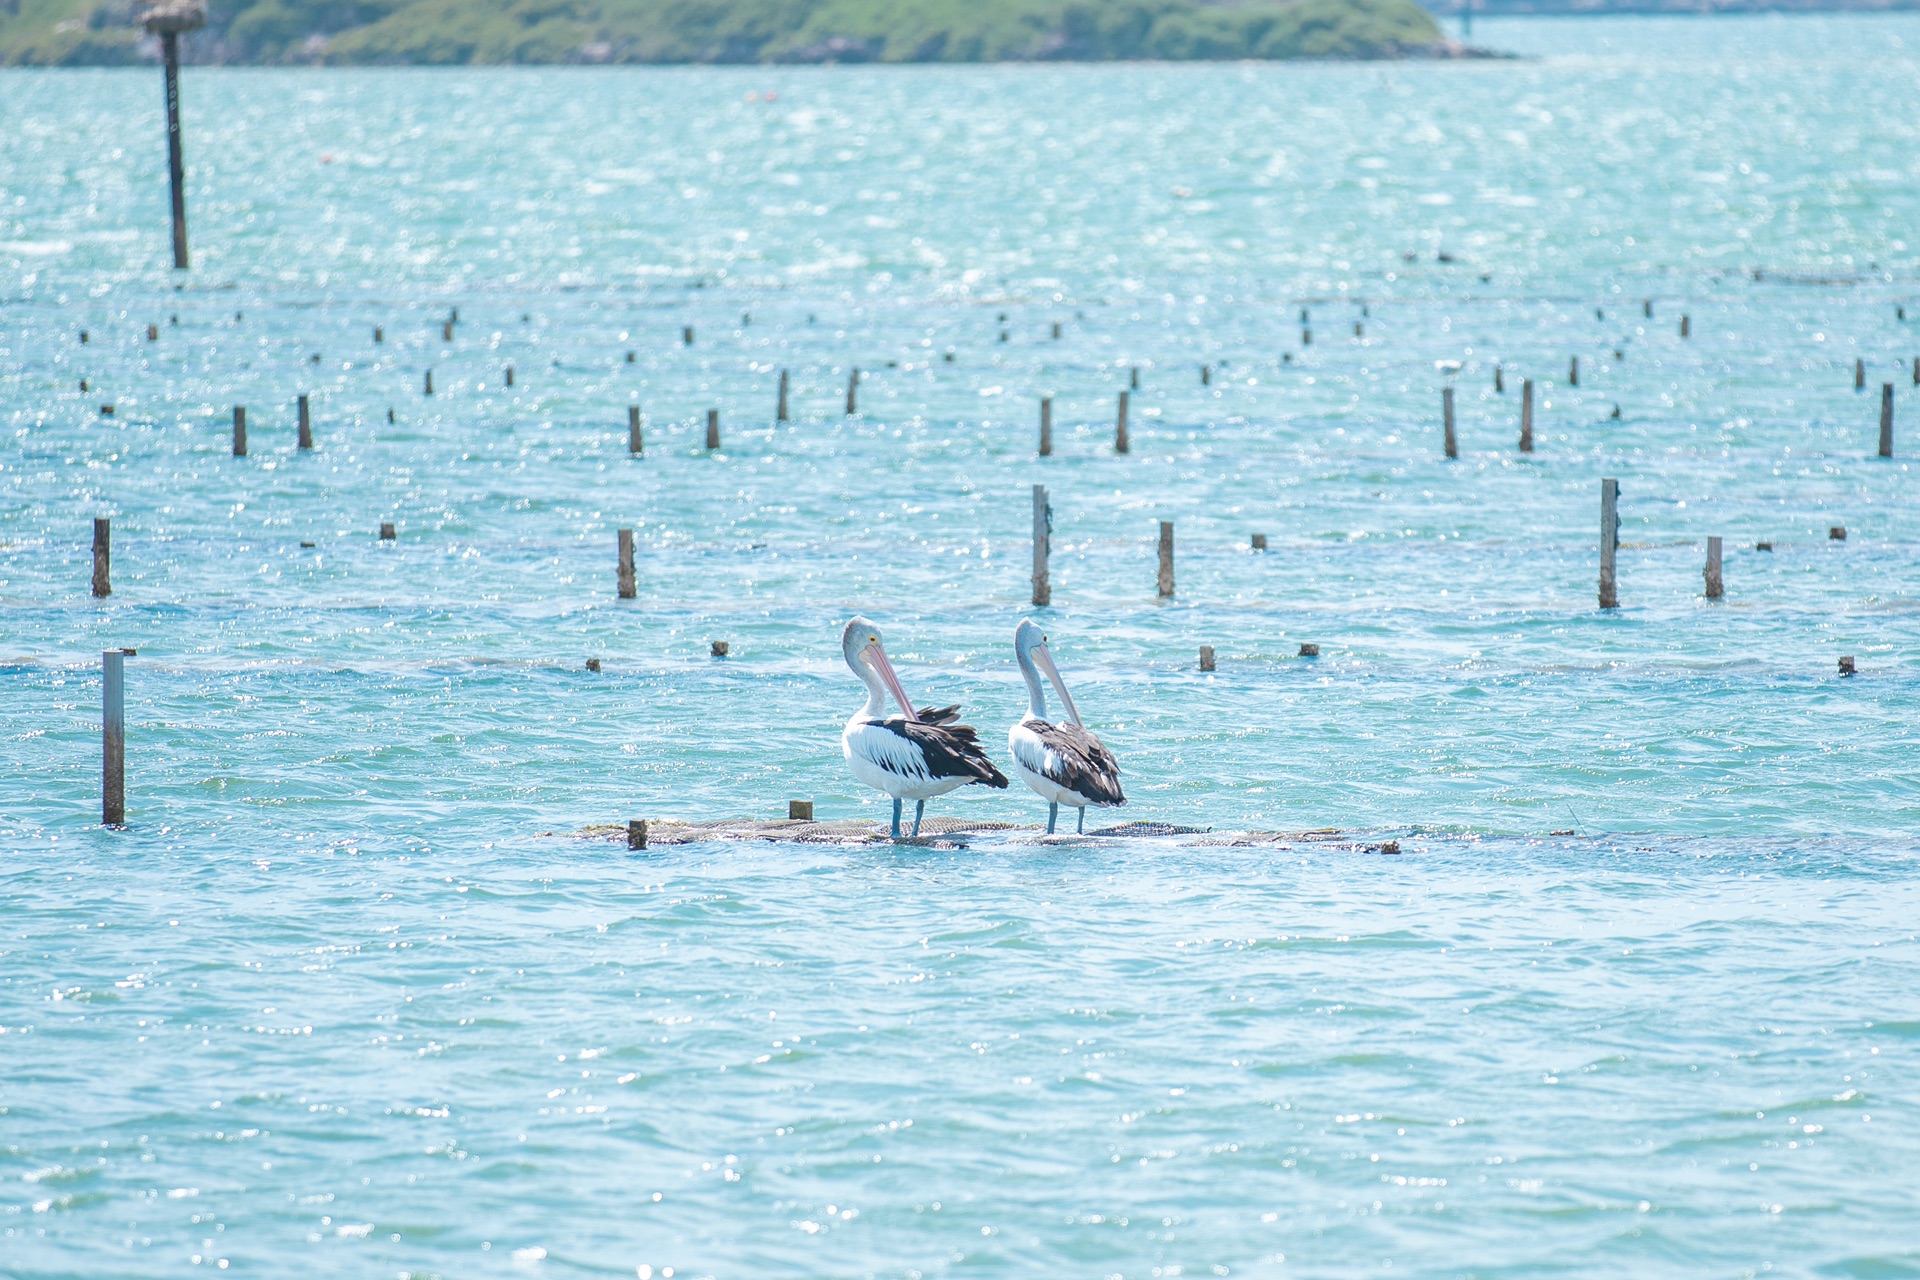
(953, 833)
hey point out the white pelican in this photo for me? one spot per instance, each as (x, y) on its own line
(1063, 762)
(912, 756)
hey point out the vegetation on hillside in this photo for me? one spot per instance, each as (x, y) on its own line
(92, 32)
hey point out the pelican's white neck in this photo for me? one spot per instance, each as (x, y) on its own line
(1036, 692)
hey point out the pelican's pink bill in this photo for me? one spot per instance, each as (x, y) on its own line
(1045, 660)
(878, 657)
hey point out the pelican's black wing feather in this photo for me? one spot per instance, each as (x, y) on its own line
(1081, 763)
(951, 750)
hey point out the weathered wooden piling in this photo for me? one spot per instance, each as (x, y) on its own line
(1166, 558)
(637, 834)
(1609, 541)
(1046, 426)
(306, 424)
(509, 375)
(853, 392)
(1526, 415)
(1859, 374)
(1646, 308)
(1306, 337)
(1499, 381)
(634, 443)
(1206, 375)
(686, 335)
(1837, 533)
(102, 557)
(780, 413)
(171, 19)
(593, 664)
(1056, 331)
(718, 649)
(239, 431)
(1134, 377)
(1686, 326)
(429, 383)
(1309, 650)
(1359, 330)
(628, 589)
(1716, 588)
(1206, 657)
(446, 331)
(1448, 443)
(713, 428)
(153, 333)
(799, 811)
(1259, 542)
(379, 335)
(1573, 372)
(387, 532)
(1120, 442)
(1042, 545)
(1886, 419)
(113, 738)
(1846, 666)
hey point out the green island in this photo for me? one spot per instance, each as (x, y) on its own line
(479, 32)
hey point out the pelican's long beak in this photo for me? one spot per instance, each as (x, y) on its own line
(1060, 686)
(878, 657)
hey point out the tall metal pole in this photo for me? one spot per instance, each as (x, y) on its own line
(169, 19)
(170, 41)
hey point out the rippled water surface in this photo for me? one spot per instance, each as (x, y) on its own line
(349, 997)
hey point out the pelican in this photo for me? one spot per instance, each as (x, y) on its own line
(915, 755)
(1063, 762)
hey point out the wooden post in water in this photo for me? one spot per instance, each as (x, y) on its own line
(1573, 372)
(306, 424)
(1716, 588)
(1859, 374)
(446, 331)
(429, 385)
(1446, 417)
(1886, 419)
(637, 833)
(239, 431)
(633, 430)
(1916, 371)
(853, 392)
(1206, 657)
(1259, 542)
(1609, 541)
(1166, 558)
(1526, 416)
(1206, 375)
(1134, 377)
(379, 335)
(780, 414)
(171, 19)
(102, 557)
(1646, 308)
(113, 738)
(1042, 545)
(1120, 443)
(387, 532)
(509, 375)
(1306, 336)
(713, 428)
(1046, 427)
(686, 335)
(1499, 382)
(628, 590)
(1686, 326)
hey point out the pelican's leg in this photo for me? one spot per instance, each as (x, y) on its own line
(1053, 814)
(896, 817)
(1080, 827)
(919, 808)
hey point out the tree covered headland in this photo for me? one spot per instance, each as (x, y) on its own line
(468, 32)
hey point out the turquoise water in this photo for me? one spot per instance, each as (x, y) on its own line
(348, 997)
